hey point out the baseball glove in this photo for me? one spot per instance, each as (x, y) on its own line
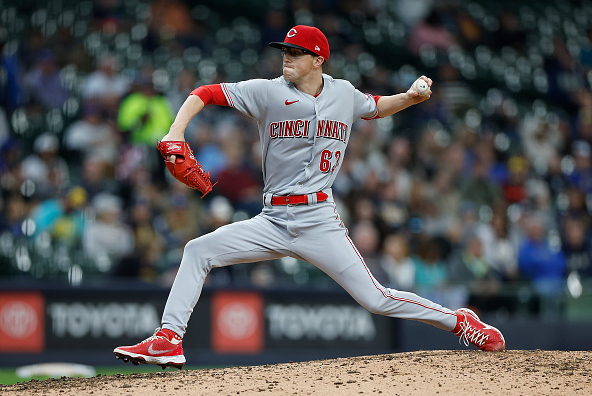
(186, 169)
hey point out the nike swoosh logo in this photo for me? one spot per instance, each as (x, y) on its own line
(487, 327)
(289, 103)
(159, 352)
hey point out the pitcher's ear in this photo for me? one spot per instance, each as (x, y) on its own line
(318, 61)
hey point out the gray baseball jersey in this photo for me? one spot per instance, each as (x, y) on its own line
(303, 140)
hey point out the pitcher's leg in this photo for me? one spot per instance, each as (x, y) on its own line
(241, 242)
(331, 250)
(342, 261)
(364, 288)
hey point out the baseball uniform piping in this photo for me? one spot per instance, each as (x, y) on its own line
(375, 115)
(225, 89)
(387, 295)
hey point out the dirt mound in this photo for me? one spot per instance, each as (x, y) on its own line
(413, 373)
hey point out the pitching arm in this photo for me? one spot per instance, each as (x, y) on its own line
(197, 100)
(389, 105)
(192, 105)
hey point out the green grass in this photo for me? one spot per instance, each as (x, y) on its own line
(8, 375)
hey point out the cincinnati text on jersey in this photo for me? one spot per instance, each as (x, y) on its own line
(330, 129)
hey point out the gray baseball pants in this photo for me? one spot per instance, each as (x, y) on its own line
(313, 233)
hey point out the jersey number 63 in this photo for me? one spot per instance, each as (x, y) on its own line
(326, 157)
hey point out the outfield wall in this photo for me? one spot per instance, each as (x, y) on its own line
(233, 326)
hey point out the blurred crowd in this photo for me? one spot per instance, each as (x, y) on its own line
(482, 190)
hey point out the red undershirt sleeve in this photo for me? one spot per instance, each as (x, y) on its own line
(211, 94)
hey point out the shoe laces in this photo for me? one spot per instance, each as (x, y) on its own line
(155, 336)
(470, 334)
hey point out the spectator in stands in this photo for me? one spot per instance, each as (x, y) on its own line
(430, 269)
(577, 247)
(96, 176)
(10, 165)
(514, 187)
(105, 86)
(365, 210)
(456, 157)
(391, 207)
(366, 238)
(541, 138)
(397, 263)
(540, 262)
(554, 177)
(563, 81)
(12, 93)
(262, 275)
(499, 247)
(430, 32)
(46, 168)
(62, 217)
(219, 213)
(44, 84)
(455, 93)
(577, 207)
(207, 143)
(107, 239)
(467, 222)
(144, 114)
(479, 189)
(171, 19)
(469, 265)
(147, 261)
(470, 33)
(399, 164)
(14, 212)
(91, 135)
(237, 182)
(436, 223)
(581, 177)
(470, 270)
(181, 220)
(410, 12)
(583, 119)
(448, 197)
(428, 151)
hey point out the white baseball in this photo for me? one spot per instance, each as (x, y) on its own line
(422, 87)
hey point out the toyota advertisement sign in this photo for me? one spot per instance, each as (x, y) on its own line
(224, 321)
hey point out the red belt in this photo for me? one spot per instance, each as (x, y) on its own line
(296, 199)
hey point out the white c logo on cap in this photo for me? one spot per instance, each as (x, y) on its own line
(291, 33)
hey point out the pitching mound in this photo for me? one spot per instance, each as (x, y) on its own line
(414, 373)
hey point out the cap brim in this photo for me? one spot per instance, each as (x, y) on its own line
(281, 44)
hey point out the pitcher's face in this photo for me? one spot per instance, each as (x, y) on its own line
(297, 64)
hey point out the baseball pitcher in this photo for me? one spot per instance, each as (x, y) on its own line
(305, 119)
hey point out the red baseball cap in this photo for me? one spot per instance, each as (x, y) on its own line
(307, 38)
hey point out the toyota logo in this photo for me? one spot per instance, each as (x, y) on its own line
(18, 319)
(237, 321)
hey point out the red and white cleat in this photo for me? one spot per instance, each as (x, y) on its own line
(164, 348)
(472, 330)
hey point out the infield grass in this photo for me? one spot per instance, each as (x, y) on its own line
(8, 375)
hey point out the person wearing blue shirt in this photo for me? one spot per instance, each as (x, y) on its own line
(539, 262)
